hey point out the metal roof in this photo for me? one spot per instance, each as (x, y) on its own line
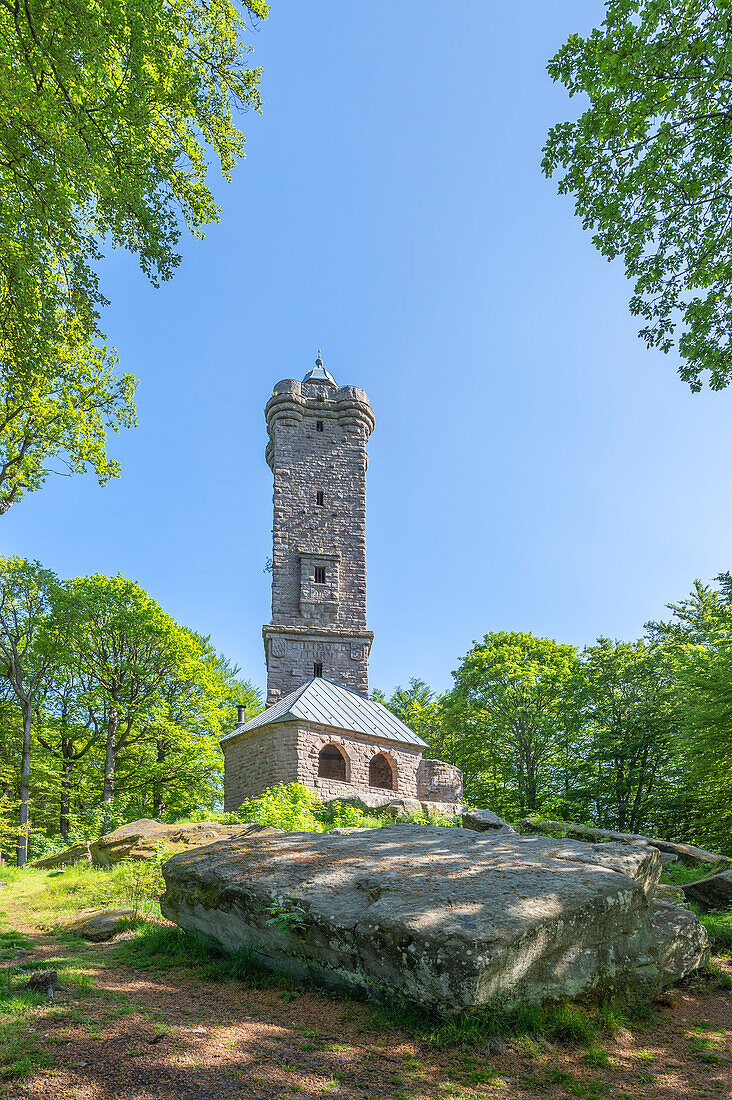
(329, 704)
(320, 374)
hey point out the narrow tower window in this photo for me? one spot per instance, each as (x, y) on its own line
(318, 425)
(318, 668)
(320, 498)
(320, 574)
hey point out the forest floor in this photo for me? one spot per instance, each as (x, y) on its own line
(135, 1023)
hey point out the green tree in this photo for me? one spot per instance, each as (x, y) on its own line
(649, 164)
(511, 706)
(126, 649)
(631, 724)
(179, 762)
(66, 734)
(57, 415)
(703, 686)
(696, 642)
(108, 112)
(417, 706)
(31, 637)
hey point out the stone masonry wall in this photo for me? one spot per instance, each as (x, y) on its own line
(258, 760)
(359, 751)
(439, 782)
(326, 616)
(287, 752)
(291, 656)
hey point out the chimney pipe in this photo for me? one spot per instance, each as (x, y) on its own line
(241, 714)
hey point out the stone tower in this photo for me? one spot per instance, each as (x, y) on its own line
(317, 453)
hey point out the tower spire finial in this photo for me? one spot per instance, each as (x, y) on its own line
(319, 360)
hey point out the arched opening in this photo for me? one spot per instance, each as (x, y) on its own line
(332, 763)
(382, 772)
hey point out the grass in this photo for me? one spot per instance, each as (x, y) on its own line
(678, 875)
(562, 1023)
(55, 895)
(533, 1030)
(718, 924)
(13, 942)
(162, 947)
(20, 1055)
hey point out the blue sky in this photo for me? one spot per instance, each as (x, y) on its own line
(533, 467)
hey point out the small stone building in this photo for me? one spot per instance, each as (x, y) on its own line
(334, 741)
(320, 728)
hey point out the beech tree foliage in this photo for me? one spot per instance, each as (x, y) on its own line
(635, 736)
(649, 163)
(109, 709)
(109, 114)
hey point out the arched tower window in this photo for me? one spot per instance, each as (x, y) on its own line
(332, 763)
(382, 772)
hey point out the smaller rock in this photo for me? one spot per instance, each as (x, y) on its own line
(45, 981)
(669, 857)
(713, 892)
(484, 820)
(102, 926)
(442, 809)
(364, 800)
(399, 806)
(683, 943)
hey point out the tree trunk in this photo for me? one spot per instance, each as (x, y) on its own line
(64, 823)
(110, 759)
(159, 788)
(27, 712)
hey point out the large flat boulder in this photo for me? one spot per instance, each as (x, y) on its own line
(686, 853)
(449, 918)
(712, 892)
(683, 943)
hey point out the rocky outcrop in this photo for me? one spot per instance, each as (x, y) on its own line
(79, 853)
(102, 926)
(449, 918)
(144, 839)
(683, 943)
(484, 820)
(686, 853)
(713, 892)
(666, 891)
(392, 805)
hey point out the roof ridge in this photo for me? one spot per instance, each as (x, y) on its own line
(329, 703)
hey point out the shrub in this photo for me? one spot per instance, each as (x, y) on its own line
(294, 808)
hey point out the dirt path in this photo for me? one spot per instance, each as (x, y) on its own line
(146, 1035)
